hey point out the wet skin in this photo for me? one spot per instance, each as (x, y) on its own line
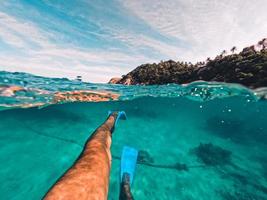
(88, 178)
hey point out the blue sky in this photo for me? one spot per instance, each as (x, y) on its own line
(100, 39)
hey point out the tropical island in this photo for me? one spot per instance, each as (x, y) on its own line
(248, 67)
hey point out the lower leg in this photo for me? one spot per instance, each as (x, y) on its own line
(88, 178)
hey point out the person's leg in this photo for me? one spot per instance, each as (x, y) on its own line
(125, 190)
(88, 178)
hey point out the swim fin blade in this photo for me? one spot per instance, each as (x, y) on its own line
(128, 162)
(122, 115)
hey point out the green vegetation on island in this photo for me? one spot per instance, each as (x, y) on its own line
(249, 68)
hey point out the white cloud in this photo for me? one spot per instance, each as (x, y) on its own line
(54, 60)
(92, 74)
(208, 25)
(58, 61)
(21, 32)
(139, 41)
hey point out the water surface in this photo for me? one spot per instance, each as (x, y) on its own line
(217, 130)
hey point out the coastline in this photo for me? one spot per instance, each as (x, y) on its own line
(248, 68)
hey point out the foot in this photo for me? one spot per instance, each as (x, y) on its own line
(116, 115)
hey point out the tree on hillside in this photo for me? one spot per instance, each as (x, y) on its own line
(264, 41)
(260, 44)
(223, 53)
(233, 49)
(248, 49)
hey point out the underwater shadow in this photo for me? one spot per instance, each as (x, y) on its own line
(234, 129)
(221, 159)
(212, 155)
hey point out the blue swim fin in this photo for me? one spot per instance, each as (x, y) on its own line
(121, 115)
(128, 162)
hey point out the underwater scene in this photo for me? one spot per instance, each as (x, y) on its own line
(196, 142)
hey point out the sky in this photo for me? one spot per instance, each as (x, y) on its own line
(100, 39)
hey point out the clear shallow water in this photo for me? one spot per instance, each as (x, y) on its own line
(169, 122)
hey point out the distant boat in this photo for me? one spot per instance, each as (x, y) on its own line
(78, 78)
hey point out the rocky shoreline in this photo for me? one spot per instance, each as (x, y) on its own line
(249, 68)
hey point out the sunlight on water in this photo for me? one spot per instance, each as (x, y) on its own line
(217, 131)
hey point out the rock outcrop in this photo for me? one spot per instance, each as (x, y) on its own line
(114, 80)
(249, 68)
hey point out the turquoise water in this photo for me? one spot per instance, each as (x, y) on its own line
(171, 123)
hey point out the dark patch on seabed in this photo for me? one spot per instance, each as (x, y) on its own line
(215, 156)
(236, 130)
(212, 155)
